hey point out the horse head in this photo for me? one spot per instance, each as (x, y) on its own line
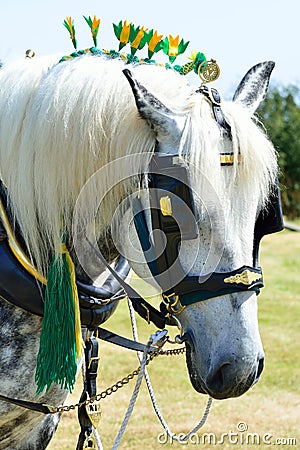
(225, 355)
(110, 143)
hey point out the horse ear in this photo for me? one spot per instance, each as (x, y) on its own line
(253, 88)
(167, 125)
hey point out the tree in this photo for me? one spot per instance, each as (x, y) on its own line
(280, 114)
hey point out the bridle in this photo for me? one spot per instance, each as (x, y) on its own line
(173, 213)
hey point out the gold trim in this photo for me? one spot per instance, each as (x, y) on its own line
(228, 158)
(247, 278)
(165, 206)
(16, 249)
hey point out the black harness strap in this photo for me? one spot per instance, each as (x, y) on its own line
(113, 338)
(86, 437)
(214, 99)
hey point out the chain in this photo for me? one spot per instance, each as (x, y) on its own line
(172, 352)
(118, 385)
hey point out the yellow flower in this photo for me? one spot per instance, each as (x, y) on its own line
(154, 41)
(173, 45)
(125, 33)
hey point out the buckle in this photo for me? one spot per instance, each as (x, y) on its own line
(92, 359)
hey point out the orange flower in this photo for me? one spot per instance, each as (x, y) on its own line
(173, 45)
(125, 33)
(69, 21)
(95, 23)
(135, 44)
(156, 38)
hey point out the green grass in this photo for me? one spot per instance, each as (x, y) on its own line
(271, 407)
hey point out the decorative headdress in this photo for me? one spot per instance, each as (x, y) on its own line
(138, 37)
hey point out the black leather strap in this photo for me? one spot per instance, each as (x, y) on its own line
(116, 339)
(21, 289)
(215, 99)
(89, 390)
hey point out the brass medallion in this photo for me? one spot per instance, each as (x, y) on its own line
(93, 410)
(247, 277)
(209, 71)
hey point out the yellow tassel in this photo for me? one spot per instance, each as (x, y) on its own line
(78, 337)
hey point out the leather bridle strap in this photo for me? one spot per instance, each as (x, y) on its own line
(113, 338)
(38, 407)
(89, 390)
(214, 99)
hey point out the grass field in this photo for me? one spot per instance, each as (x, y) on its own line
(270, 410)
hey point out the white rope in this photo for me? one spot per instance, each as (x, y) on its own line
(182, 438)
(97, 439)
(134, 395)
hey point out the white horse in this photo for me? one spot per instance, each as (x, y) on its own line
(61, 123)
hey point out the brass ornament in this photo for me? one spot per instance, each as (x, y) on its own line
(247, 278)
(173, 304)
(93, 411)
(209, 71)
(30, 54)
(90, 442)
(165, 206)
(228, 158)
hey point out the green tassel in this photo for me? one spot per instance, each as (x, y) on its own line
(56, 360)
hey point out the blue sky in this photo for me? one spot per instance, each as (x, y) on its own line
(238, 34)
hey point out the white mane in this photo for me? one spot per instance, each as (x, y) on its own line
(62, 122)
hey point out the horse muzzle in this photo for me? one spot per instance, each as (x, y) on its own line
(225, 377)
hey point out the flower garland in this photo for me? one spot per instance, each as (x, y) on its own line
(137, 37)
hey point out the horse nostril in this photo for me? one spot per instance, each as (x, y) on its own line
(216, 382)
(260, 367)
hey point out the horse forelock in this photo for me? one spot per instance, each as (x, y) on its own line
(61, 123)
